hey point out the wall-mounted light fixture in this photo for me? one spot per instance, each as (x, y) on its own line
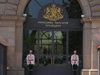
(82, 16)
(24, 15)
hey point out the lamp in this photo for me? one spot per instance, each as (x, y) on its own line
(24, 15)
(82, 16)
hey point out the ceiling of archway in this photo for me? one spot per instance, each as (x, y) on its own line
(10, 7)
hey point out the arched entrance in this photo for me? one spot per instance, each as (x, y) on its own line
(53, 32)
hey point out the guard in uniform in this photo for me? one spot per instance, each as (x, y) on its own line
(74, 61)
(30, 59)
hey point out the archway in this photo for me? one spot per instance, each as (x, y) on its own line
(64, 21)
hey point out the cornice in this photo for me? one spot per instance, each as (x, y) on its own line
(12, 18)
(90, 19)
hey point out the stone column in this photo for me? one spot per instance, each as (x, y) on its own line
(95, 38)
(91, 39)
(7, 32)
(86, 47)
(19, 48)
(15, 48)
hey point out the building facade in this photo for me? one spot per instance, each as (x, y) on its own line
(11, 33)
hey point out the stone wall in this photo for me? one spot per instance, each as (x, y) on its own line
(11, 30)
(16, 7)
(95, 8)
(8, 7)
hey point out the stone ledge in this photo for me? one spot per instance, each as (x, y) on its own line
(17, 68)
(89, 72)
(85, 20)
(89, 69)
(12, 18)
(91, 19)
(16, 71)
(95, 18)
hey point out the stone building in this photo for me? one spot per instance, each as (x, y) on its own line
(11, 33)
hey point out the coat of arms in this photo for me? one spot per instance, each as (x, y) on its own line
(53, 13)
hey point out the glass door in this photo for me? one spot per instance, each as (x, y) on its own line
(53, 55)
(45, 48)
(52, 50)
(60, 52)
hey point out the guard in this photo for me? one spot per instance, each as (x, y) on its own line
(74, 61)
(30, 59)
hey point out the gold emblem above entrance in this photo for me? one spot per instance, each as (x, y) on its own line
(53, 13)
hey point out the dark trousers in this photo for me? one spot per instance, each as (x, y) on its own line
(75, 67)
(31, 66)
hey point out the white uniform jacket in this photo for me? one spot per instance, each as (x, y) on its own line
(75, 59)
(30, 59)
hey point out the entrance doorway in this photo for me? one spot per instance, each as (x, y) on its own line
(53, 31)
(53, 49)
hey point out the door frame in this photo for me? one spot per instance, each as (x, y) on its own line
(67, 36)
(67, 44)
